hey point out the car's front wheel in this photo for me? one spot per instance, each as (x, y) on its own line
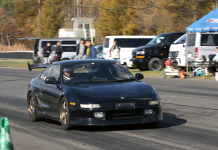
(31, 108)
(64, 114)
(155, 64)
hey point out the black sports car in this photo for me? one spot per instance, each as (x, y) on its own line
(92, 93)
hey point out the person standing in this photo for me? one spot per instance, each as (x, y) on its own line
(46, 53)
(115, 52)
(216, 56)
(91, 52)
(80, 49)
(58, 51)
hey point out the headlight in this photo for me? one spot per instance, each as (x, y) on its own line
(154, 102)
(98, 114)
(140, 52)
(90, 106)
(148, 111)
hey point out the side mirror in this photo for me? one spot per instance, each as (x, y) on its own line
(50, 80)
(184, 44)
(139, 76)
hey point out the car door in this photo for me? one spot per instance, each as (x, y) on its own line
(38, 84)
(51, 92)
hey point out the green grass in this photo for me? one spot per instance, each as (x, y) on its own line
(15, 63)
(209, 77)
(161, 73)
(148, 73)
(14, 59)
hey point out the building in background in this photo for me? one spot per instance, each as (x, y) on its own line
(82, 28)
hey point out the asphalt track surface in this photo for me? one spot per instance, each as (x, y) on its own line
(190, 109)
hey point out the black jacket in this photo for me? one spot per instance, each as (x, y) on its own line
(59, 50)
(77, 48)
(45, 49)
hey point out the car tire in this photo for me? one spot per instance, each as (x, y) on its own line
(155, 64)
(31, 108)
(64, 114)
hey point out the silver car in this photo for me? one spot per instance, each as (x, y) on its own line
(69, 52)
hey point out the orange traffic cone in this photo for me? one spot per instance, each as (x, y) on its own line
(183, 74)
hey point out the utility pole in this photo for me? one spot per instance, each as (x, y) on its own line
(39, 7)
(77, 8)
(80, 9)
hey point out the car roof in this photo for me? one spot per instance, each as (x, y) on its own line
(83, 60)
(131, 36)
(62, 39)
(172, 33)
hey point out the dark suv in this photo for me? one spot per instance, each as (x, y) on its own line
(151, 56)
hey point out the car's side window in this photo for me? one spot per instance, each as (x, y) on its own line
(171, 39)
(54, 72)
(44, 73)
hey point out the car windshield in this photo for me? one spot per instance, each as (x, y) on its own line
(181, 40)
(95, 72)
(156, 41)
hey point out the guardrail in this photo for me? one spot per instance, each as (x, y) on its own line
(23, 54)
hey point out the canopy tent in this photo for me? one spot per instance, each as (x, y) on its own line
(208, 23)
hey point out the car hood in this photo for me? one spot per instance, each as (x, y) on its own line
(145, 48)
(109, 92)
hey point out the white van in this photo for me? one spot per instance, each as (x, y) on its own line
(200, 46)
(42, 43)
(127, 45)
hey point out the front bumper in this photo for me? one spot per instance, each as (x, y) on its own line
(115, 117)
(140, 63)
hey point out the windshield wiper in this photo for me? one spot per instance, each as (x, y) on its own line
(123, 80)
(91, 81)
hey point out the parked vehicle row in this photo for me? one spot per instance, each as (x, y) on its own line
(143, 52)
(152, 55)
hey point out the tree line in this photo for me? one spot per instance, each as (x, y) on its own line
(20, 18)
